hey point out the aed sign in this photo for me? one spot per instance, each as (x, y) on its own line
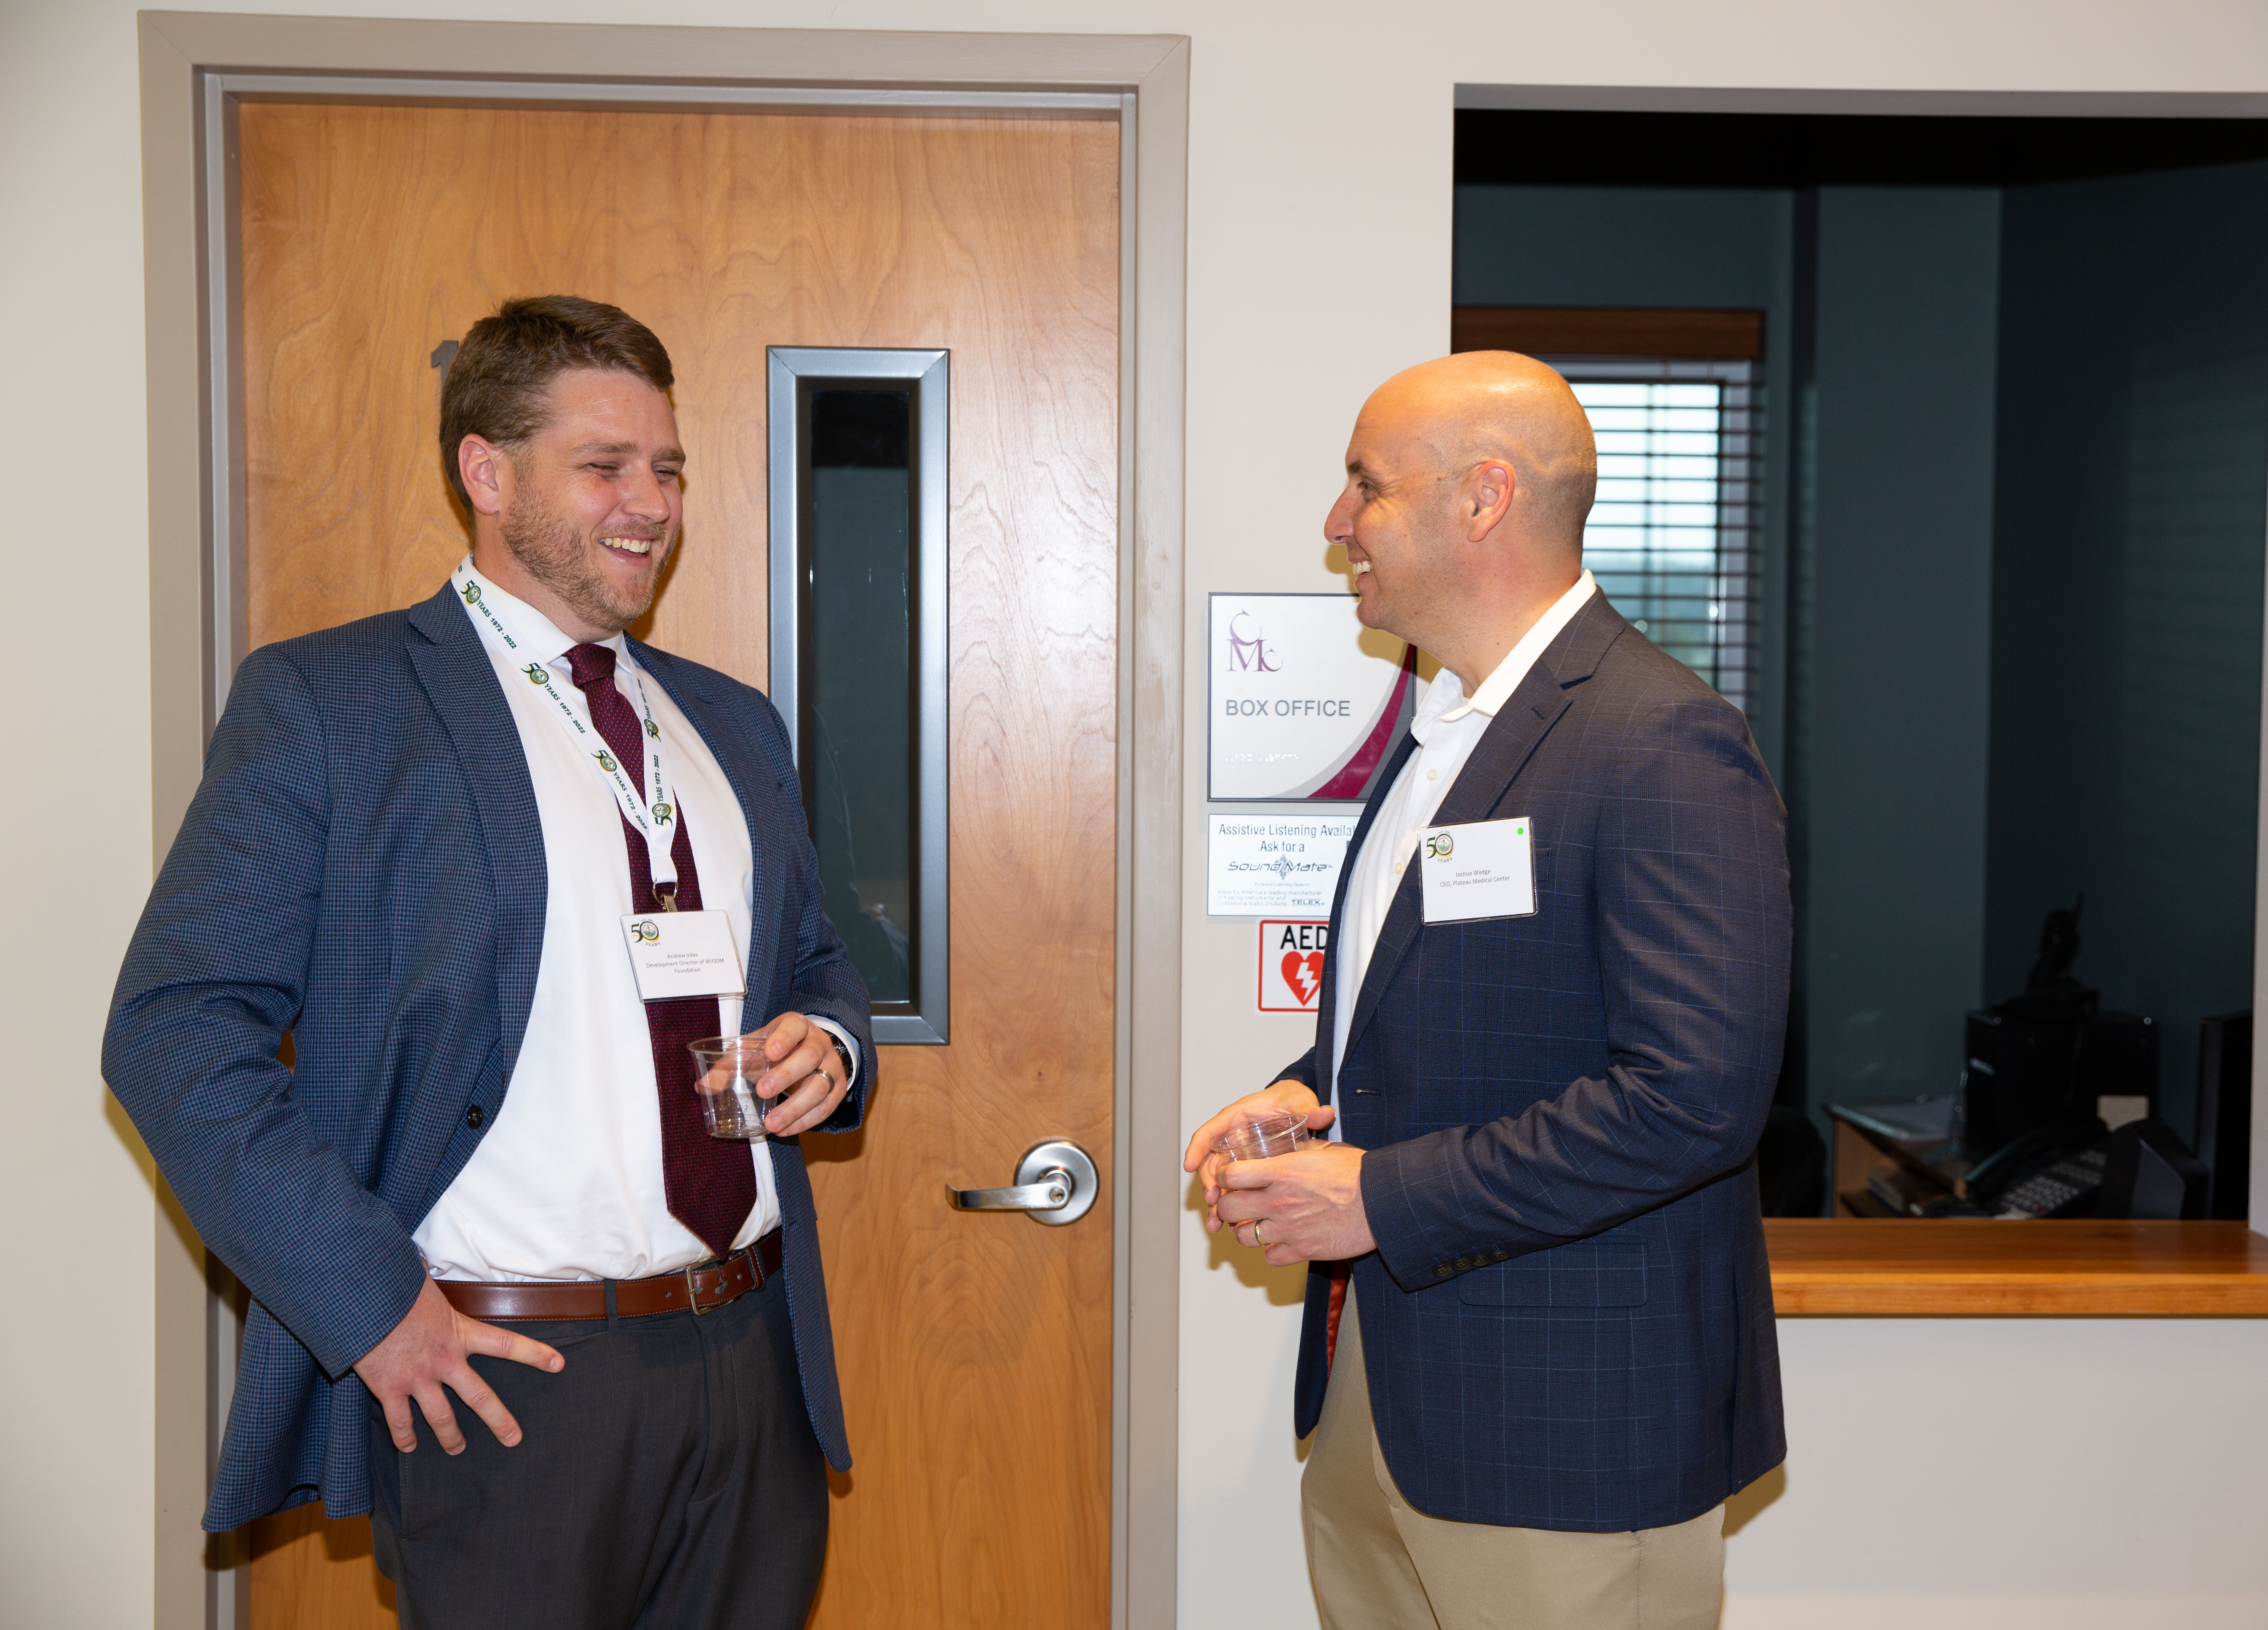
(1292, 964)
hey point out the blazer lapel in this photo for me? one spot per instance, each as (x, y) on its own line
(1326, 1002)
(453, 669)
(1521, 724)
(729, 747)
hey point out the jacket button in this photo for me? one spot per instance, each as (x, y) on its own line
(1442, 1269)
(1501, 1254)
(474, 1116)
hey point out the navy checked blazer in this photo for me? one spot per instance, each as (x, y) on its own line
(1568, 1319)
(364, 867)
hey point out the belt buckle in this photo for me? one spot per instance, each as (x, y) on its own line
(693, 1291)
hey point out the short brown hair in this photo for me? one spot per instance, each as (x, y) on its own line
(499, 382)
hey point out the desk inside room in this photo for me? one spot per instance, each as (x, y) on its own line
(1876, 1259)
(1886, 1152)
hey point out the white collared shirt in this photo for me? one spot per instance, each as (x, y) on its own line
(567, 1184)
(1447, 727)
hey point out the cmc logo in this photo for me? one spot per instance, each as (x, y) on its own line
(1248, 654)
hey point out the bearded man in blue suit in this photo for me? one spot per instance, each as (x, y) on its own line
(1538, 1353)
(426, 847)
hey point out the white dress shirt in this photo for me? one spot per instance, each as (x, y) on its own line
(1447, 727)
(567, 1184)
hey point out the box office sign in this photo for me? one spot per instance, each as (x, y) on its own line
(1304, 704)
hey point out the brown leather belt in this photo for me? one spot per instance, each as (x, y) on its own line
(703, 1288)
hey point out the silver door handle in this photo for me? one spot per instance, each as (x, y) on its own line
(1055, 1183)
(1050, 1195)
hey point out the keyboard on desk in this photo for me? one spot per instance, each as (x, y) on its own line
(2065, 1189)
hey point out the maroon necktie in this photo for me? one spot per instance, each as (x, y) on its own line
(710, 1181)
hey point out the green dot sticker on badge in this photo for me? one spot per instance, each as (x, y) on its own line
(1479, 870)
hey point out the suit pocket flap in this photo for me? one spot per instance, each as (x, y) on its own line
(1589, 1273)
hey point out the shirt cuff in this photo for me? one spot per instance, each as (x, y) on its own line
(849, 1043)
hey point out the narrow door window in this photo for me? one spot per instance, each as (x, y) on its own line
(857, 505)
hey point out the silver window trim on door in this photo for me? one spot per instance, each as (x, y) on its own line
(793, 372)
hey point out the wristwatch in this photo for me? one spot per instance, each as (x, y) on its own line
(842, 1052)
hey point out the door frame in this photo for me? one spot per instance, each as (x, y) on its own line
(195, 67)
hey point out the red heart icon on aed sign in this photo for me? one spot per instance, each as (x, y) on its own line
(1303, 972)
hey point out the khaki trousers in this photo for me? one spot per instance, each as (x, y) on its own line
(1378, 1565)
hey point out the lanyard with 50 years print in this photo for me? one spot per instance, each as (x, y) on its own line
(653, 823)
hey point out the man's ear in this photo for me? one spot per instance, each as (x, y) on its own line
(488, 474)
(1488, 497)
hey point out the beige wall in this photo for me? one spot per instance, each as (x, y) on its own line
(1319, 262)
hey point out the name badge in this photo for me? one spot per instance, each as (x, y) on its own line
(1481, 870)
(683, 954)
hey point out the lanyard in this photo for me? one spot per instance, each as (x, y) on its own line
(574, 716)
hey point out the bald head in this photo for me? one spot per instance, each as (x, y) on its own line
(1468, 481)
(1464, 410)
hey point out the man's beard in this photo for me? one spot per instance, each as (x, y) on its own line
(551, 551)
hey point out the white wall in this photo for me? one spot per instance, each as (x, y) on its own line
(1320, 216)
(2087, 1474)
(77, 1370)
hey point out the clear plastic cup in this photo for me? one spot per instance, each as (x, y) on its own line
(726, 1070)
(1263, 1137)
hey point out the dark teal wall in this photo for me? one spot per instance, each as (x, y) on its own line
(2019, 461)
(2127, 592)
(1898, 642)
(1621, 246)
(1879, 340)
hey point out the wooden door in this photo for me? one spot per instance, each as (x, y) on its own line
(975, 1348)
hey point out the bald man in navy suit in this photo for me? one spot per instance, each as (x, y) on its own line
(1538, 1352)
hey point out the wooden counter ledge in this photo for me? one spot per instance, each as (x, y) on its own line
(2095, 1270)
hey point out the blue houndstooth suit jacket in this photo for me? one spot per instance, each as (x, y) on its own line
(364, 867)
(1568, 1319)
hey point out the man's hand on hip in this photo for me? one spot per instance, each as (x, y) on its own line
(426, 1353)
(1301, 1207)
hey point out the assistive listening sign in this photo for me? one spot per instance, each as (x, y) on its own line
(1274, 866)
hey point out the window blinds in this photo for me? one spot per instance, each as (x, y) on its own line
(1671, 539)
